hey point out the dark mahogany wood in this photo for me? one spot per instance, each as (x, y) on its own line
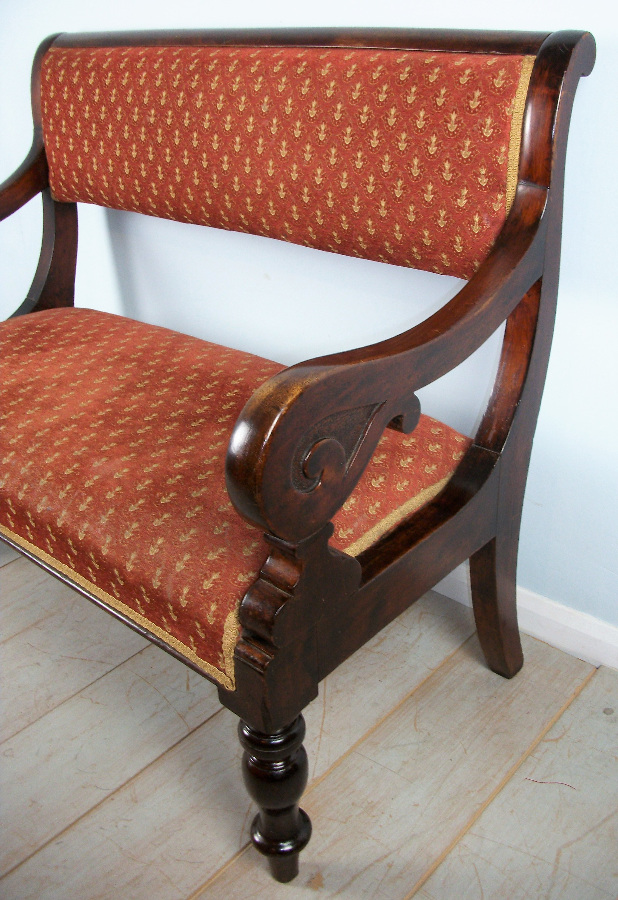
(32, 176)
(304, 439)
(275, 771)
(53, 284)
(493, 567)
(26, 182)
(398, 569)
(457, 41)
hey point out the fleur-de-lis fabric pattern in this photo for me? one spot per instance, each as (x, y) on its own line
(406, 157)
(112, 446)
(113, 437)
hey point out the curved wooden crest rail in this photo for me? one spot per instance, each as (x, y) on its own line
(288, 469)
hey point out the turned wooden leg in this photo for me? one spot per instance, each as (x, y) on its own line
(492, 576)
(275, 772)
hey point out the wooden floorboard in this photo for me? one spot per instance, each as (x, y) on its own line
(29, 597)
(120, 773)
(70, 647)
(57, 769)
(553, 831)
(390, 808)
(392, 664)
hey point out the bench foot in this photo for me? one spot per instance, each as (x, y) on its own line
(492, 576)
(275, 772)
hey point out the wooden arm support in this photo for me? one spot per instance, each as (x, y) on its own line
(26, 182)
(53, 284)
(54, 279)
(304, 439)
(32, 177)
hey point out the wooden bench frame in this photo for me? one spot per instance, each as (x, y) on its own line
(311, 606)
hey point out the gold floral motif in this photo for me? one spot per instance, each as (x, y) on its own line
(163, 100)
(230, 633)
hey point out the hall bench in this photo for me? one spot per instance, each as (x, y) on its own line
(262, 523)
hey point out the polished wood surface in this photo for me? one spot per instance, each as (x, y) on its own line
(459, 41)
(305, 437)
(276, 770)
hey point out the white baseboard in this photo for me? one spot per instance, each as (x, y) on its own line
(561, 626)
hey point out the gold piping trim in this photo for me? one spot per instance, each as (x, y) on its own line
(229, 641)
(519, 104)
(395, 517)
(230, 630)
(231, 627)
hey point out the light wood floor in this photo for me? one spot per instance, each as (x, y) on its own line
(430, 776)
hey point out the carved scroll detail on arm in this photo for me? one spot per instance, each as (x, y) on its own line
(335, 440)
(331, 445)
(291, 465)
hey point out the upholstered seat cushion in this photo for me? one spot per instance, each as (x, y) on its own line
(113, 437)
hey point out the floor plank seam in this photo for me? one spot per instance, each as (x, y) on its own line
(16, 634)
(386, 716)
(500, 787)
(103, 800)
(84, 687)
(7, 562)
(220, 871)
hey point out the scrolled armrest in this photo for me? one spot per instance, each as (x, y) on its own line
(303, 440)
(26, 182)
(445, 339)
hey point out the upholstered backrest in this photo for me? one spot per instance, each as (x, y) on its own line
(404, 156)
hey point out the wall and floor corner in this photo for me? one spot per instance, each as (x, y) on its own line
(568, 568)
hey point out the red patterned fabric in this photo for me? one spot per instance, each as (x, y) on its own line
(113, 436)
(406, 472)
(392, 155)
